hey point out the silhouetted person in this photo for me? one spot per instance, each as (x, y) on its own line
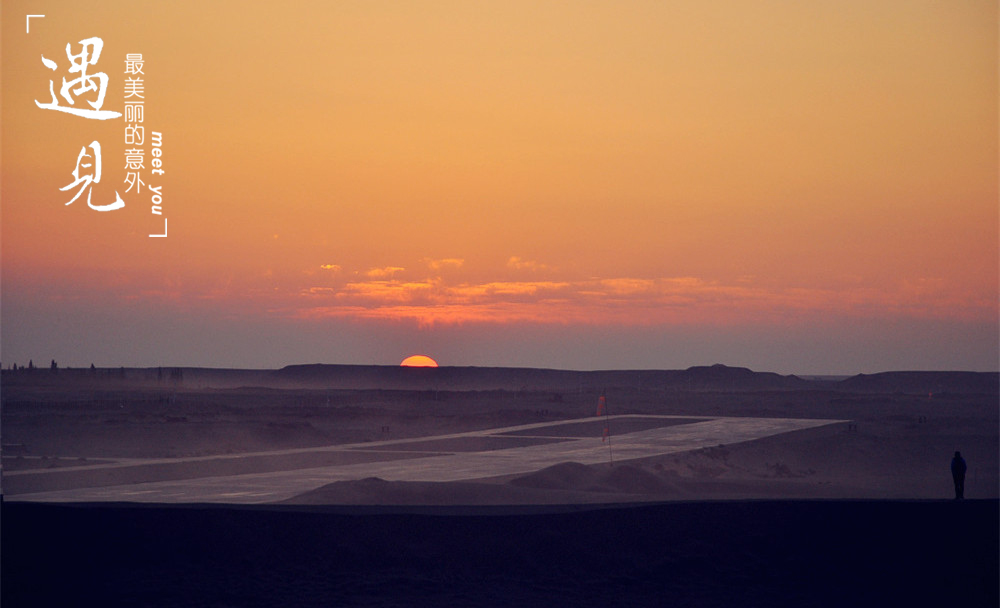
(958, 474)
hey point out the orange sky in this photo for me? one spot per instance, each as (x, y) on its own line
(433, 167)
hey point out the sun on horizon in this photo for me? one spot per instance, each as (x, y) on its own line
(418, 361)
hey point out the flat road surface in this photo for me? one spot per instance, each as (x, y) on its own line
(263, 477)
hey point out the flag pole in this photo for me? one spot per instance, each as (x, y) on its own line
(607, 425)
(602, 405)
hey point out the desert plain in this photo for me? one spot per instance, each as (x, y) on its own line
(695, 483)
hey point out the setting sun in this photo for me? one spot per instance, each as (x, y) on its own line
(418, 361)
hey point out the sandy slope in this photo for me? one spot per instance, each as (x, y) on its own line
(875, 457)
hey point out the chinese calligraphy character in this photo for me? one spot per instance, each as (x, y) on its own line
(133, 159)
(134, 135)
(132, 179)
(133, 86)
(84, 83)
(133, 63)
(133, 112)
(87, 181)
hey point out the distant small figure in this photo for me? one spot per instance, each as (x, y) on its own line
(958, 474)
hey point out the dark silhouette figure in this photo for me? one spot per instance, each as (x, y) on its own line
(958, 474)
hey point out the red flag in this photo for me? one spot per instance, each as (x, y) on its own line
(601, 406)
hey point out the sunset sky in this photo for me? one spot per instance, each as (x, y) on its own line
(800, 187)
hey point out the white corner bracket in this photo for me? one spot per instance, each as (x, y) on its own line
(164, 230)
(27, 23)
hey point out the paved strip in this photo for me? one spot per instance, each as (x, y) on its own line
(274, 486)
(136, 471)
(499, 433)
(278, 485)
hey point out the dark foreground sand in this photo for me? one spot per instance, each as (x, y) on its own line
(736, 553)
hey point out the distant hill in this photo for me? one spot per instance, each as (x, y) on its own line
(722, 377)
(924, 382)
(714, 378)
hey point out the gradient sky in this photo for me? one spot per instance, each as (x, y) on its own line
(787, 186)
